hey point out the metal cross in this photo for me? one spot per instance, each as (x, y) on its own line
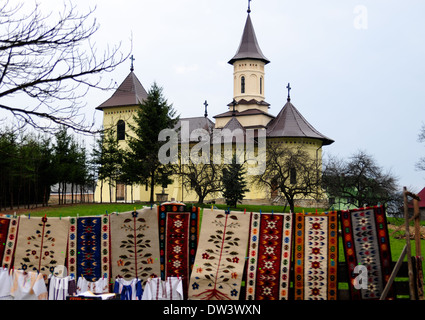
(289, 91)
(132, 60)
(206, 112)
(249, 6)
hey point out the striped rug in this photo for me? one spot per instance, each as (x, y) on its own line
(269, 256)
(316, 256)
(366, 244)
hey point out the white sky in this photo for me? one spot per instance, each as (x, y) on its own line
(364, 88)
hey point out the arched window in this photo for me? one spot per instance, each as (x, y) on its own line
(121, 130)
(243, 84)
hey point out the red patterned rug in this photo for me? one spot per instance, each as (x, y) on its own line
(366, 243)
(4, 230)
(178, 234)
(10, 243)
(316, 256)
(269, 256)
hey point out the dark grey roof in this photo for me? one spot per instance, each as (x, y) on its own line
(249, 48)
(248, 112)
(234, 124)
(291, 124)
(196, 123)
(250, 102)
(129, 93)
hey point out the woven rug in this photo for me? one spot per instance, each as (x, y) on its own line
(10, 243)
(316, 256)
(220, 259)
(4, 230)
(135, 245)
(89, 248)
(178, 240)
(366, 243)
(41, 244)
(269, 256)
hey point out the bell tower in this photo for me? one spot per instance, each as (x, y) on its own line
(249, 85)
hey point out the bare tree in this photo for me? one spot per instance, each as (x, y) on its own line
(290, 170)
(51, 60)
(420, 165)
(359, 181)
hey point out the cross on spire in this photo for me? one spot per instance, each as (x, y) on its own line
(249, 6)
(206, 112)
(132, 65)
(289, 91)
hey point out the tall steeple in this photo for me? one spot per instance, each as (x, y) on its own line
(249, 47)
(248, 105)
(248, 71)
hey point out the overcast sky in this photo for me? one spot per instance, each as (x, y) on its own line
(356, 67)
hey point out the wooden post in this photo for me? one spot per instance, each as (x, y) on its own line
(408, 246)
(419, 274)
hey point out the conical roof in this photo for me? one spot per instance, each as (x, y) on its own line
(249, 48)
(290, 123)
(129, 93)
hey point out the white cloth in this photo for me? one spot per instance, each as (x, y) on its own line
(58, 287)
(99, 286)
(169, 289)
(28, 286)
(5, 284)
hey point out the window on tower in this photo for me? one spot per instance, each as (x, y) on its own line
(261, 85)
(121, 130)
(243, 85)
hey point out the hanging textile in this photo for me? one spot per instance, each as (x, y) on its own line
(269, 256)
(178, 240)
(99, 286)
(366, 243)
(316, 256)
(41, 244)
(28, 286)
(128, 289)
(169, 289)
(135, 245)
(220, 258)
(10, 243)
(61, 287)
(5, 284)
(89, 248)
(4, 230)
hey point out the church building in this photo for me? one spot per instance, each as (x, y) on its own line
(247, 110)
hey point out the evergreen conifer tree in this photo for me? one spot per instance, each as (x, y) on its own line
(234, 183)
(154, 115)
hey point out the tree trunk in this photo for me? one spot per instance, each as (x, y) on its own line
(152, 187)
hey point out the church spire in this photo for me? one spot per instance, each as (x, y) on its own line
(249, 48)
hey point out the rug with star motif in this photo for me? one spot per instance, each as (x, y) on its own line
(316, 256)
(366, 244)
(178, 240)
(269, 256)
